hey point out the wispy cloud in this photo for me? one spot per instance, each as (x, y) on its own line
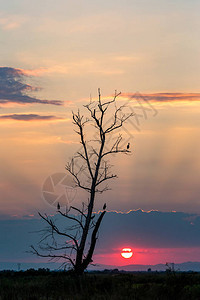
(11, 22)
(77, 67)
(60, 69)
(126, 58)
(13, 88)
(85, 24)
(28, 117)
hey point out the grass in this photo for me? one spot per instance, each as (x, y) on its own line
(43, 284)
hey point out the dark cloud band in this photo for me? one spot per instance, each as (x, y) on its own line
(13, 88)
(153, 229)
(27, 117)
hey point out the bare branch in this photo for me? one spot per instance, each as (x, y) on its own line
(35, 251)
(78, 121)
(71, 218)
(55, 228)
(118, 120)
(68, 168)
(75, 208)
(106, 178)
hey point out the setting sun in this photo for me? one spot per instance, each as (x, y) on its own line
(126, 253)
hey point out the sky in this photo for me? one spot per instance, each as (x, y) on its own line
(55, 56)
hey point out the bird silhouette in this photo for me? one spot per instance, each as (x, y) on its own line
(128, 146)
(104, 207)
(58, 206)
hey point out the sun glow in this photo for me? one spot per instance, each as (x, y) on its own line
(126, 253)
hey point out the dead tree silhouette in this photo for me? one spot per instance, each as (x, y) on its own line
(90, 162)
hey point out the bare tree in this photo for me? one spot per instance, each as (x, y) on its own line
(91, 172)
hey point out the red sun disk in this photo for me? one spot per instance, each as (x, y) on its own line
(126, 253)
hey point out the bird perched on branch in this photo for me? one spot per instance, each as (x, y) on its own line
(104, 207)
(58, 206)
(128, 146)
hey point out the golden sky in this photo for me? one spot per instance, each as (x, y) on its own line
(54, 55)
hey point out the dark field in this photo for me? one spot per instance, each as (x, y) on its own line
(44, 284)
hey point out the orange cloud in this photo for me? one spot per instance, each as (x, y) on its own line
(165, 97)
(47, 70)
